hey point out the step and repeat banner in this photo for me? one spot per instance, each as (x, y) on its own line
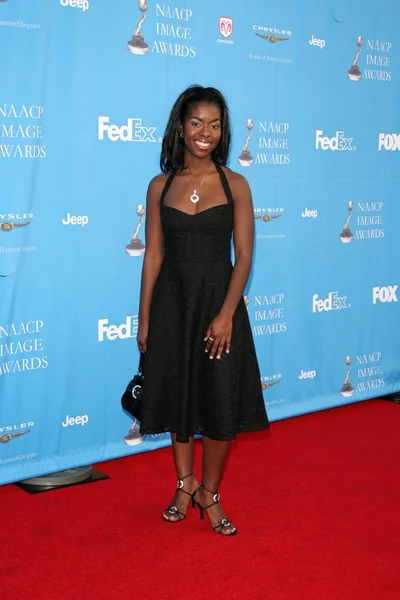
(85, 92)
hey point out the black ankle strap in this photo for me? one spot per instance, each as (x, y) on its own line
(207, 490)
(186, 476)
(181, 484)
(216, 497)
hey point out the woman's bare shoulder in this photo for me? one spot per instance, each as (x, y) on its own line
(237, 182)
(157, 184)
(159, 180)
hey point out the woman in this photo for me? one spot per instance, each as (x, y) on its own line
(200, 374)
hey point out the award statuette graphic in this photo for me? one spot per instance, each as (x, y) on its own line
(245, 159)
(347, 389)
(59, 479)
(354, 73)
(136, 246)
(133, 437)
(137, 45)
(8, 226)
(346, 236)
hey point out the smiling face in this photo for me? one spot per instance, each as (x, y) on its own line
(202, 129)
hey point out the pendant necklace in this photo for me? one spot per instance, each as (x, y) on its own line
(195, 197)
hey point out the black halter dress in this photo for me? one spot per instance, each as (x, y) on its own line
(185, 391)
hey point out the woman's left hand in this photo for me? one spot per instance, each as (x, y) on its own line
(218, 336)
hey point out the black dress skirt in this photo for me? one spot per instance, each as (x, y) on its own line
(186, 392)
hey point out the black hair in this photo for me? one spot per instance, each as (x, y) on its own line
(172, 146)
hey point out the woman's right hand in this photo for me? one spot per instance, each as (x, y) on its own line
(142, 336)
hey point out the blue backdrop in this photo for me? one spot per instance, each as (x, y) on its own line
(85, 91)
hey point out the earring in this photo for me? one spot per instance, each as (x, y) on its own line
(181, 135)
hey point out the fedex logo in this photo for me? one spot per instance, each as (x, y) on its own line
(133, 131)
(332, 302)
(128, 329)
(337, 142)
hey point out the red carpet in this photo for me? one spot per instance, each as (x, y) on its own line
(316, 505)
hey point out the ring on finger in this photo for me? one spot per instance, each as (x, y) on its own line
(211, 338)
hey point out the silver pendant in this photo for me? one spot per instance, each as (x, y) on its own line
(194, 197)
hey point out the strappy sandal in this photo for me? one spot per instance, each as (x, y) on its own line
(224, 524)
(173, 510)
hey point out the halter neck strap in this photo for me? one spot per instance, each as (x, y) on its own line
(167, 185)
(225, 184)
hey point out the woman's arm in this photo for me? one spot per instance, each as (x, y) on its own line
(153, 256)
(243, 240)
(220, 329)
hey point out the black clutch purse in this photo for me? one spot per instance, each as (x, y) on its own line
(131, 400)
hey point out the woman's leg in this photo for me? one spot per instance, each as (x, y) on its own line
(215, 453)
(183, 455)
(183, 458)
